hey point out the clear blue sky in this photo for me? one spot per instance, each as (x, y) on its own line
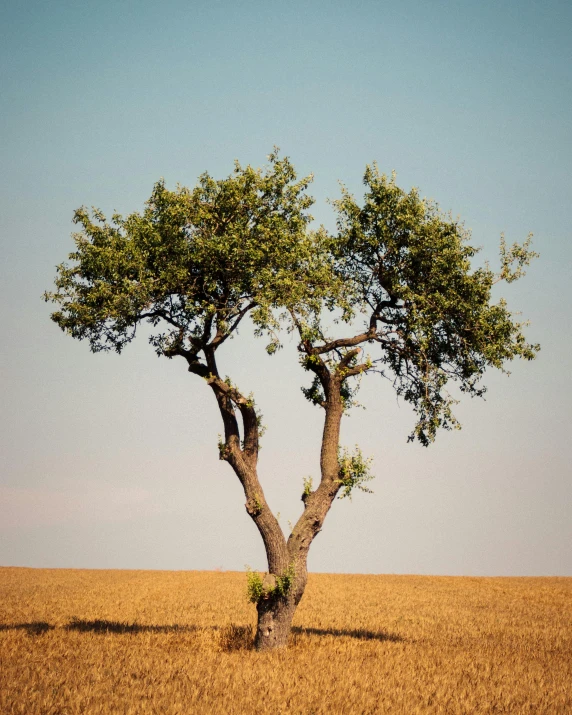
(111, 461)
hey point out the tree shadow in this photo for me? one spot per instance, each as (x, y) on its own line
(102, 626)
(38, 628)
(358, 633)
(35, 628)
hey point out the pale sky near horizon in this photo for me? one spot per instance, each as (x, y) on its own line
(111, 461)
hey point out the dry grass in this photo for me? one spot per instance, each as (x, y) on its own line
(178, 642)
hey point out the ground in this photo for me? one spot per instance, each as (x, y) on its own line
(80, 641)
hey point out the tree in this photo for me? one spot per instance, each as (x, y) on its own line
(196, 262)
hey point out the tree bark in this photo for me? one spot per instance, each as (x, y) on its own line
(275, 613)
(274, 622)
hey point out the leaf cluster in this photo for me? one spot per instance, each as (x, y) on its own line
(408, 268)
(354, 471)
(193, 262)
(257, 590)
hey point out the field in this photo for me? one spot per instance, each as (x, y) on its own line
(79, 641)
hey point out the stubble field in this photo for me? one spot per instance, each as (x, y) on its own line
(80, 641)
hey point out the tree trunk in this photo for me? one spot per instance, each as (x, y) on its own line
(276, 611)
(274, 622)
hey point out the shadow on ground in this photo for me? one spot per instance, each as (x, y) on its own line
(100, 626)
(35, 628)
(358, 633)
(38, 628)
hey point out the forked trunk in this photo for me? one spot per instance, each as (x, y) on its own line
(285, 582)
(276, 607)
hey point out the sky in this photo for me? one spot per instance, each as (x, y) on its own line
(111, 461)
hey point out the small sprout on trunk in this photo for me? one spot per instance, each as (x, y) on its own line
(307, 488)
(354, 470)
(284, 583)
(254, 505)
(254, 585)
(269, 586)
(222, 448)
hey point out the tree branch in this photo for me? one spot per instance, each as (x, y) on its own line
(221, 336)
(342, 343)
(317, 503)
(346, 359)
(357, 369)
(244, 463)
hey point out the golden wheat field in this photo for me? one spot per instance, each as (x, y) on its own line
(80, 641)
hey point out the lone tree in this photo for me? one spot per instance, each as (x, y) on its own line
(196, 262)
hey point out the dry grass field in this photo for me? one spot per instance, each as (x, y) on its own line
(79, 641)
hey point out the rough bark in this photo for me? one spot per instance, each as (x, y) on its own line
(318, 503)
(274, 622)
(276, 611)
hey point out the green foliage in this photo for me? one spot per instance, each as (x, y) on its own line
(308, 483)
(284, 582)
(194, 262)
(515, 258)
(254, 586)
(408, 266)
(314, 393)
(354, 471)
(257, 590)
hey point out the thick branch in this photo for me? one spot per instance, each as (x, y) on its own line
(340, 343)
(247, 411)
(243, 459)
(318, 503)
(357, 369)
(346, 359)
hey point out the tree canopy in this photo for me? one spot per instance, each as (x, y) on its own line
(195, 262)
